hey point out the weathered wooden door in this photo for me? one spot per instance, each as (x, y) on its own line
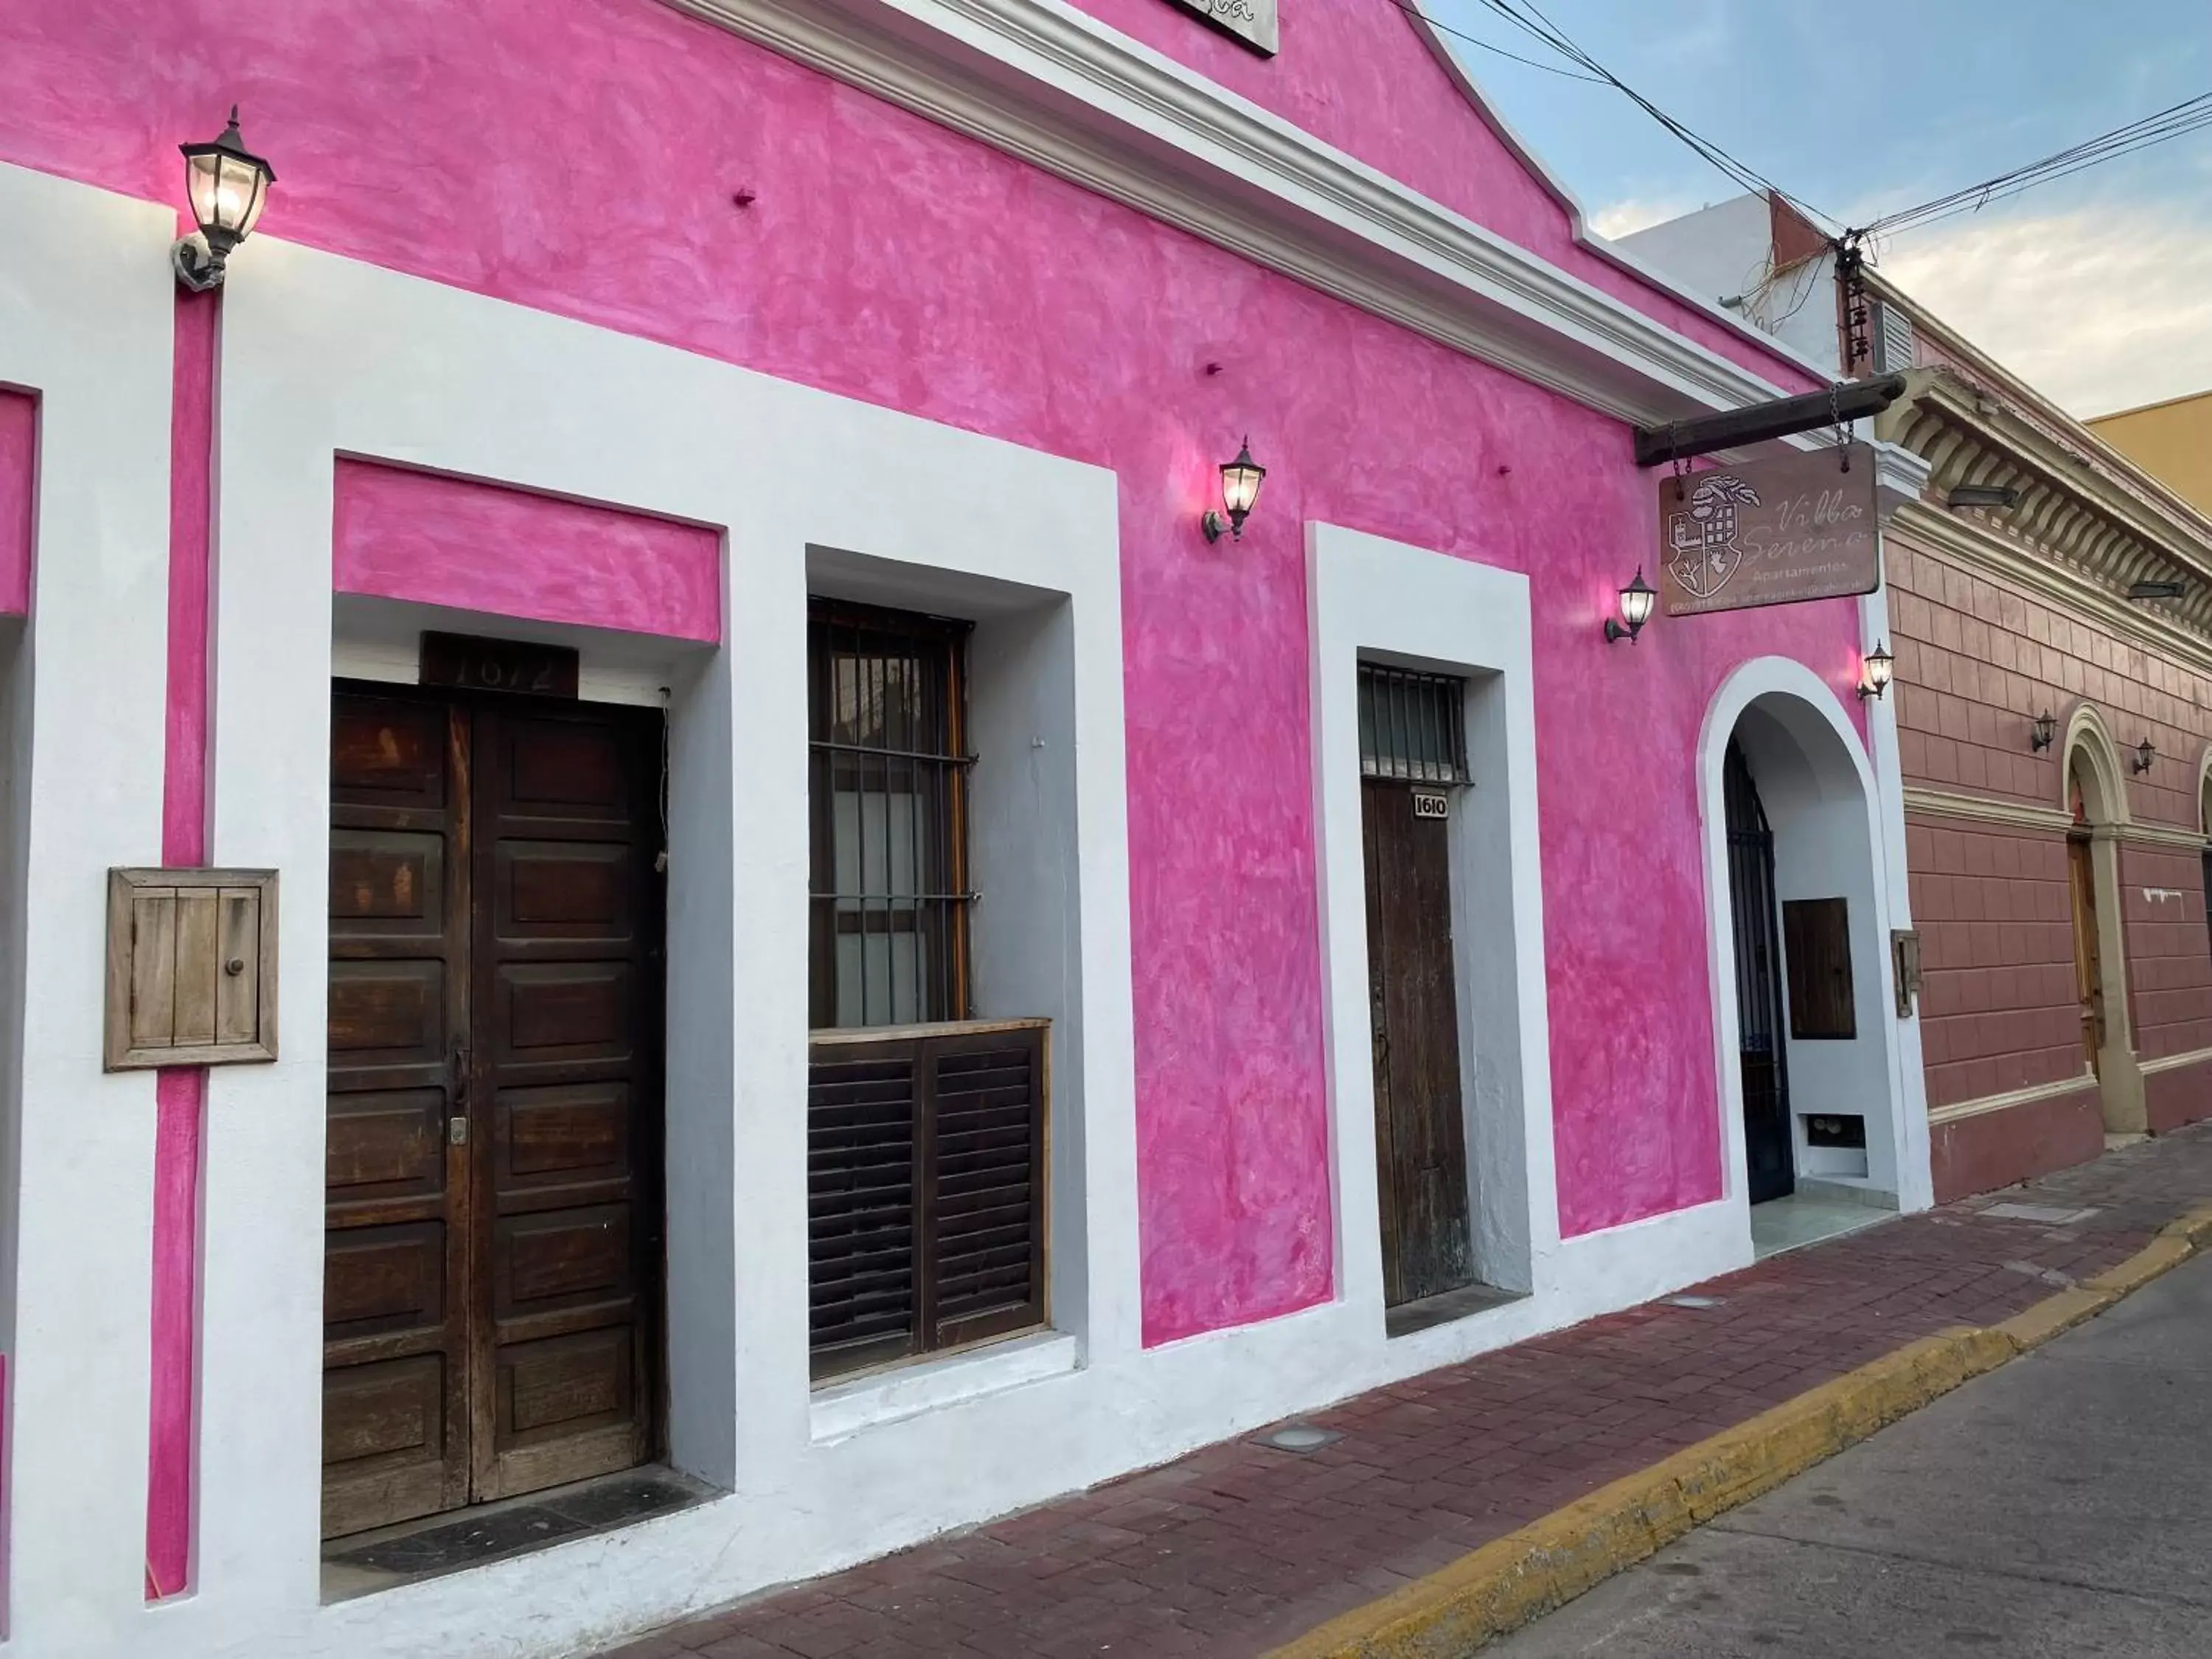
(1420, 1131)
(491, 1285)
(1770, 1165)
(2088, 971)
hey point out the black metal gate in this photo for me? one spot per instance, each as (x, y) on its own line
(1770, 1167)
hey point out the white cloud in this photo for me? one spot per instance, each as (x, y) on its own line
(2099, 307)
(1620, 219)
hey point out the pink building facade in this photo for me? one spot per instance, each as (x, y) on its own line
(642, 331)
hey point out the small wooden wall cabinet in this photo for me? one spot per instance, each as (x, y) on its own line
(191, 968)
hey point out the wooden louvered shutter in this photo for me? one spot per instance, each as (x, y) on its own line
(986, 1189)
(925, 1190)
(860, 1145)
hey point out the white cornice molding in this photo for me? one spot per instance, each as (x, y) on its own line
(1046, 82)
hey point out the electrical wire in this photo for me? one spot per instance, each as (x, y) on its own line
(1527, 16)
(1443, 27)
(2190, 115)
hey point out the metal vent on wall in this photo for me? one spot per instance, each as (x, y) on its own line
(1412, 726)
(1893, 345)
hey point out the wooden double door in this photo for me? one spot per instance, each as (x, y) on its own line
(491, 1287)
(1420, 1128)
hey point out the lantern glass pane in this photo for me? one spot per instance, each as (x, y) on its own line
(1240, 487)
(1636, 606)
(200, 173)
(227, 192)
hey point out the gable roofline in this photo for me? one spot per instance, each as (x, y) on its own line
(1598, 246)
(1057, 89)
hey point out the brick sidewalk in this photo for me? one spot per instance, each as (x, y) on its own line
(1239, 1548)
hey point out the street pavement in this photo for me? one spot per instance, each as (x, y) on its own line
(2060, 1505)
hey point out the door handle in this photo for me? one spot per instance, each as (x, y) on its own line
(457, 1095)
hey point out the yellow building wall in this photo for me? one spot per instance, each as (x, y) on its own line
(2171, 441)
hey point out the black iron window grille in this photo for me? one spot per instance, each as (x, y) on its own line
(1413, 726)
(887, 798)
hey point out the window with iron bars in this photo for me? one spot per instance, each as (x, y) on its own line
(1412, 725)
(888, 801)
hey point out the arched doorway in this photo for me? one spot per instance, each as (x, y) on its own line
(1801, 921)
(2096, 803)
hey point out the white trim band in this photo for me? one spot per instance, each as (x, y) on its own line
(2027, 1097)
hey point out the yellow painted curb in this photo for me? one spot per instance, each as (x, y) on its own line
(2032, 1328)
(2161, 1255)
(2195, 1225)
(1549, 1562)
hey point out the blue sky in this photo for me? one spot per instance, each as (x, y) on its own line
(2098, 288)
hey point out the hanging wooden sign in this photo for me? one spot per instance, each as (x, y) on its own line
(1800, 526)
(1252, 21)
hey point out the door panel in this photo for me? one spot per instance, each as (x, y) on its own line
(1420, 1131)
(395, 1401)
(490, 1278)
(566, 946)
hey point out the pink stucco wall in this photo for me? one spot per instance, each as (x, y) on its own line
(1358, 75)
(887, 258)
(406, 535)
(19, 441)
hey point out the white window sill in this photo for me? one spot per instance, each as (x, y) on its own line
(840, 1409)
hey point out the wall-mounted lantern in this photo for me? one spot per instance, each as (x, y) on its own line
(2144, 756)
(2045, 734)
(228, 186)
(1636, 601)
(1879, 666)
(1240, 492)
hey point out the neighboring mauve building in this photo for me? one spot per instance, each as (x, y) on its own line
(2050, 606)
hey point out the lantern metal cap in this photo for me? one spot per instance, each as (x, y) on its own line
(228, 142)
